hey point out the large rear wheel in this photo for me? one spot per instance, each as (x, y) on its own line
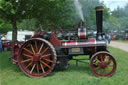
(37, 57)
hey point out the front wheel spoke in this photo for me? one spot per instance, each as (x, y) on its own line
(45, 50)
(109, 61)
(48, 60)
(97, 68)
(110, 65)
(104, 71)
(45, 55)
(42, 68)
(28, 51)
(95, 63)
(45, 64)
(26, 60)
(28, 65)
(99, 71)
(108, 69)
(105, 58)
(98, 60)
(27, 55)
(101, 57)
(32, 68)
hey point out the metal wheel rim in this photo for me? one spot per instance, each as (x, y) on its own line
(108, 69)
(39, 67)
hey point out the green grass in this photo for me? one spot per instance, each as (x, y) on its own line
(11, 75)
(125, 41)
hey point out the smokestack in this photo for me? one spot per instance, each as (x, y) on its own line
(99, 20)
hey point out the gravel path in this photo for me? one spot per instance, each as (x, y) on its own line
(121, 45)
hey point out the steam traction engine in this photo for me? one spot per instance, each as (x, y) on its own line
(45, 51)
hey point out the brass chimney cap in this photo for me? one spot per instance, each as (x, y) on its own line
(99, 8)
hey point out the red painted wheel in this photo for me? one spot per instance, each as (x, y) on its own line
(103, 64)
(37, 57)
(14, 53)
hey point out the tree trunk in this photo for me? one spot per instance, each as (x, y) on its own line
(14, 28)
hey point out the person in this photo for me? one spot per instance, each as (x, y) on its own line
(0, 44)
(105, 37)
(109, 38)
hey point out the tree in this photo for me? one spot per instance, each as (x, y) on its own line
(4, 26)
(111, 23)
(119, 12)
(14, 11)
(58, 12)
(11, 11)
(27, 24)
(88, 8)
(43, 12)
(122, 16)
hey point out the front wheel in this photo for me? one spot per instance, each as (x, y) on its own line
(103, 64)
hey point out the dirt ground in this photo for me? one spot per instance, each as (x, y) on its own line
(120, 45)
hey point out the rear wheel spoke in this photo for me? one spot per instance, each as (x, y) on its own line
(32, 48)
(45, 50)
(37, 66)
(45, 64)
(26, 60)
(28, 55)
(40, 48)
(45, 55)
(42, 68)
(28, 65)
(36, 46)
(32, 68)
(28, 51)
(48, 60)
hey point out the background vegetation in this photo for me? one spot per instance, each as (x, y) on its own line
(32, 14)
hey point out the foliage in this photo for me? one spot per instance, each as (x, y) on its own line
(111, 23)
(14, 11)
(4, 26)
(122, 17)
(32, 14)
(27, 24)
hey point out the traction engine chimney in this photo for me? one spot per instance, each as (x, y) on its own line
(99, 21)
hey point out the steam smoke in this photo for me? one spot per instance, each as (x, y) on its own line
(79, 9)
